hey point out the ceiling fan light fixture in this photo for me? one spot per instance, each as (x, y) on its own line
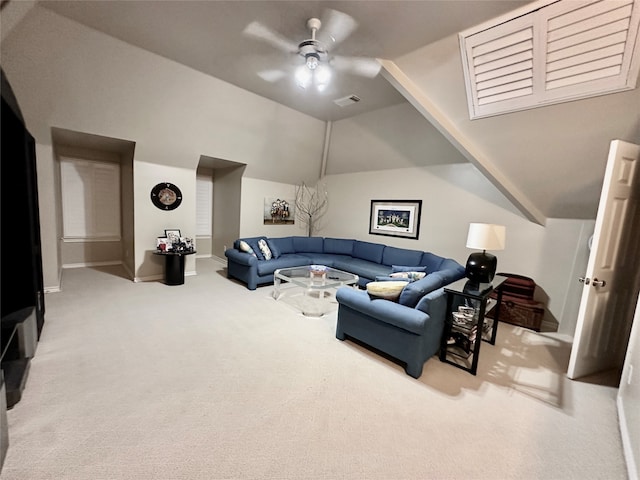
(322, 77)
(312, 60)
(303, 76)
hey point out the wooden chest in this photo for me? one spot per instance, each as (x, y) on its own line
(518, 306)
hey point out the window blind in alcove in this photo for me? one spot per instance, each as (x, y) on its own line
(90, 199)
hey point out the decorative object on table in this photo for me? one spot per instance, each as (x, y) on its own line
(163, 244)
(173, 235)
(279, 211)
(317, 271)
(395, 218)
(481, 266)
(175, 243)
(311, 206)
(166, 196)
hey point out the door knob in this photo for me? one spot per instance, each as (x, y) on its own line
(598, 283)
(584, 280)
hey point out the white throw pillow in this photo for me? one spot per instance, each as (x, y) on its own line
(388, 290)
(244, 247)
(264, 248)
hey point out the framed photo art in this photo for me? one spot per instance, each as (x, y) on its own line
(173, 235)
(395, 218)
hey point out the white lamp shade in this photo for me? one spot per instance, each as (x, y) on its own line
(486, 236)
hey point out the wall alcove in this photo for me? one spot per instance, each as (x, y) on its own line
(86, 250)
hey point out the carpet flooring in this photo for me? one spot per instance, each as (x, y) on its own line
(209, 380)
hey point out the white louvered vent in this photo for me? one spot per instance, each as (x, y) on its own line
(348, 100)
(553, 51)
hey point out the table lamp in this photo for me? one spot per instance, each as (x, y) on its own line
(481, 266)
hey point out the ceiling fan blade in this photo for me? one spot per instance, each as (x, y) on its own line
(362, 66)
(272, 76)
(264, 33)
(336, 27)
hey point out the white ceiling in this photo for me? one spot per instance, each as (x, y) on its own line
(207, 36)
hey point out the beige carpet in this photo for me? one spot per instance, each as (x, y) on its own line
(209, 380)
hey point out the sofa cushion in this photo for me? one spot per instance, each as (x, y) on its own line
(339, 246)
(413, 292)
(308, 244)
(368, 251)
(264, 249)
(387, 290)
(327, 259)
(284, 261)
(401, 256)
(284, 245)
(363, 268)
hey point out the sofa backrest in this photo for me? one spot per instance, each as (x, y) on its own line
(284, 244)
(338, 246)
(401, 256)
(308, 244)
(432, 261)
(368, 251)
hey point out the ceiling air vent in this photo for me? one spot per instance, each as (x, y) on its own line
(348, 100)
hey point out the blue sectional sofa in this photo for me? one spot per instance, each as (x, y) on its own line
(409, 328)
(366, 259)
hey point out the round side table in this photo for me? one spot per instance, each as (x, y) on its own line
(174, 266)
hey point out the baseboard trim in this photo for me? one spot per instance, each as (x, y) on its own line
(632, 469)
(219, 259)
(92, 264)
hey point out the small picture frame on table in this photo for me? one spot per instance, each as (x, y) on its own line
(173, 235)
(163, 244)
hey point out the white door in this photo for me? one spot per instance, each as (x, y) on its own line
(611, 282)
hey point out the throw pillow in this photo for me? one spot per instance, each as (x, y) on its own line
(264, 248)
(386, 290)
(403, 268)
(244, 247)
(411, 276)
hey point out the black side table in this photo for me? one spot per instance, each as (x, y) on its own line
(460, 345)
(174, 266)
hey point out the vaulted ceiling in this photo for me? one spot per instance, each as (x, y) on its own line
(549, 161)
(208, 36)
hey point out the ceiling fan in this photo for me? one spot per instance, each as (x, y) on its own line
(316, 69)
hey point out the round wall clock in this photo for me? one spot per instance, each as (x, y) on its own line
(166, 196)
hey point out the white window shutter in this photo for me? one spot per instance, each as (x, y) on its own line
(90, 199)
(204, 190)
(576, 49)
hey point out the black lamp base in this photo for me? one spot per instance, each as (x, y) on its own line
(481, 267)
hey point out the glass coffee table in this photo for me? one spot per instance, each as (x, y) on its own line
(316, 282)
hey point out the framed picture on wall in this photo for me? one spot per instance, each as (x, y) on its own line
(395, 218)
(279, 211)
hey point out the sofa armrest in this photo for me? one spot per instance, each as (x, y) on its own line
(434, 303)
(243, 258)
(386, 311)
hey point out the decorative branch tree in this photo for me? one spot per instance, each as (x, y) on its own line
(311, 205)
